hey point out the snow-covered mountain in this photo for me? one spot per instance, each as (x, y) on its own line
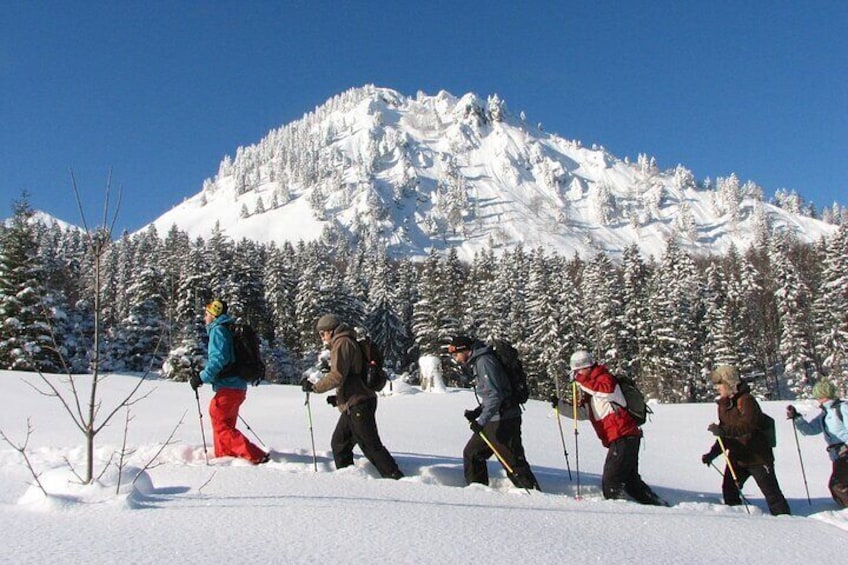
(439, 171)
(41, 217)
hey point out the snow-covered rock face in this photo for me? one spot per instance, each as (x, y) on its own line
(439, 171)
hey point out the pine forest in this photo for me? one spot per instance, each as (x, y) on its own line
(778, 310)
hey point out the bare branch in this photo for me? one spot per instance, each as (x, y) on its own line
(22, 450)
(52, 328)
(168, 441)
(74, 471)
(123, 452)
(106, 198)
(79, 205)
(111, 227)
(55, 393)
(129, 400)
(105, 466)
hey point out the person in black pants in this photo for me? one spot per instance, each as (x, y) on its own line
(749, 453)
(601, 401)
(496, 417)
(356, 402)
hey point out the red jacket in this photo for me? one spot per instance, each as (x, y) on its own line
(605, 407)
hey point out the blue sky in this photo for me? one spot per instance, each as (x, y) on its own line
(160, 92)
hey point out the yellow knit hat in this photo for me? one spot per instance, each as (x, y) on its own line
(216, 308)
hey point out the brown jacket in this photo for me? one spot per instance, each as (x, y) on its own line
(739, 417)
(346, 368)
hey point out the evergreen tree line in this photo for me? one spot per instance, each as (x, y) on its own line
(778, 310)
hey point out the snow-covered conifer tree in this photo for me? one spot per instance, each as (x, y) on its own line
(831, 308)
(25, 342)
(635, 316)
(793, 307)
(674, 340)
(601, 290)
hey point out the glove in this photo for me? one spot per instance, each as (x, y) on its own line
(306, 385)
(332, 400)
(715, 429)
(472, 415)
(791, 413)
(554, 399)
(195, 382)
(475, 427)
(707, 458)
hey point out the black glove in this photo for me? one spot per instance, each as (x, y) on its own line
(472, 415)
(707, 458)
(195, 381)
(332, 400)
(475, 427)
(306, 385)
(715, 429)
(554, 399)
(791, 413)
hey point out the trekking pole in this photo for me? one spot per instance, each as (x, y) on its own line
(720, 472)
(801, 460)
(500, 458)
(576, 433)
(311, 433)
(202, 433)
(559, 425)
(246, 425)
(733, 473)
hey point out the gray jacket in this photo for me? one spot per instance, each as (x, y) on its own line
(491, 385)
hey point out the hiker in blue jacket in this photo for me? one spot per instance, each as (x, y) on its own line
(830, 421)
(230, 391)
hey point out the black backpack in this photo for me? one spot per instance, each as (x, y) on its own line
(374, 375)
(508, 357)
(767, 429)
(634, 400)
(248, 363)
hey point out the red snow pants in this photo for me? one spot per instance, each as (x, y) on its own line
(223, 411)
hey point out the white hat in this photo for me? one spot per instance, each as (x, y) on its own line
(581, 359)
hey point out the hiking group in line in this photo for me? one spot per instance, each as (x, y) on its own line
(496, 422)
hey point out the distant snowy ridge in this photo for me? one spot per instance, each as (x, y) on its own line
(371, 165)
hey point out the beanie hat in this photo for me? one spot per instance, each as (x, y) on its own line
(216, 307)
(726, 374)
(459, 343)
(824, 389)
(327, 323)
(581, 359)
